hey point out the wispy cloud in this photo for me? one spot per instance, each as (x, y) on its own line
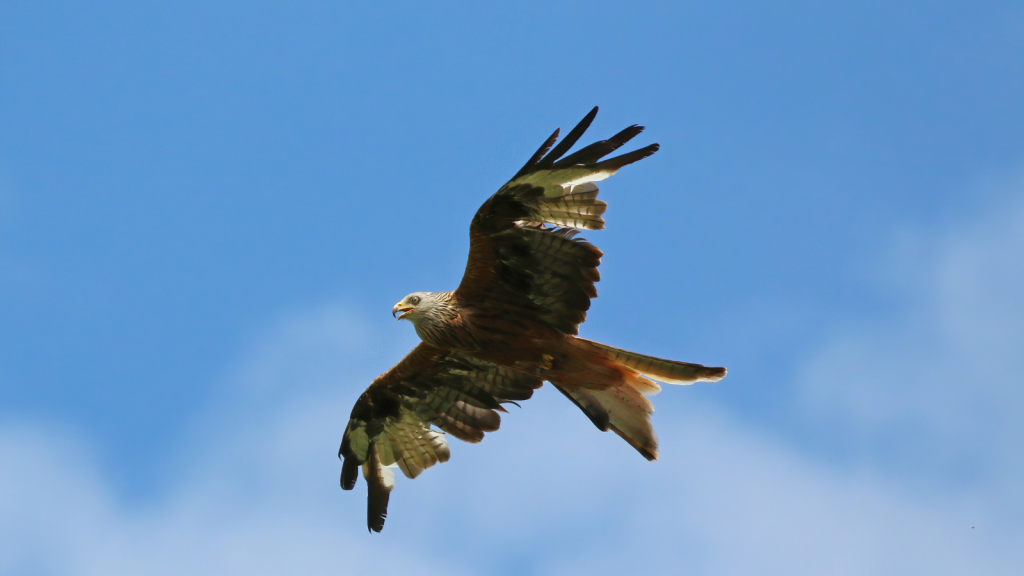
(255, 486)
(938, 385)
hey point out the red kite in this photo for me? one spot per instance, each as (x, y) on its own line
(509, 326)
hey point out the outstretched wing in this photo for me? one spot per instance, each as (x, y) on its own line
(526, 277)
(391, 422)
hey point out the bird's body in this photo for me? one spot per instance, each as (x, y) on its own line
(511, 325)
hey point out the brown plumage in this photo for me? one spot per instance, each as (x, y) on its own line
(509, 326)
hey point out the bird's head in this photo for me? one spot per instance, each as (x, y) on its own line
(413, 306)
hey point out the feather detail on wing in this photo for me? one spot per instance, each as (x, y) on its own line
(524, 276)
(392, 421)
(560, 177)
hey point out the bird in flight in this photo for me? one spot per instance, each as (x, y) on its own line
(511, 325)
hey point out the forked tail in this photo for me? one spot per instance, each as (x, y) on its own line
(667, 371)
(609, 385)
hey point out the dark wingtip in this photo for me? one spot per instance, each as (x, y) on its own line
(594, 152)
(377, 506)
(349, 474)
(628, 158)
(568, 142)
(538, 154)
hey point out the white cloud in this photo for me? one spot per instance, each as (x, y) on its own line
(547, 494)
(256, 486)
(939, 385)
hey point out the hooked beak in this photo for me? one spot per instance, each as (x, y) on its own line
(399, 308)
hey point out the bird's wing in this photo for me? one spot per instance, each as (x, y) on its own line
(391, 422)
(521, 270)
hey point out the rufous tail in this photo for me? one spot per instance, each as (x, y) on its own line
(610, 384)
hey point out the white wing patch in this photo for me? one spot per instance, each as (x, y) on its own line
(558, 183)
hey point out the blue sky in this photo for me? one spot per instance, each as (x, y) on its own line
(208, 209)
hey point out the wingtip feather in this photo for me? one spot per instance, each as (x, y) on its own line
(532, 162)
(349, 474)
(570, 139)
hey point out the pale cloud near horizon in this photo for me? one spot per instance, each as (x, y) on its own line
(256, 485)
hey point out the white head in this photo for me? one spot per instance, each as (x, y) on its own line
(416, 306)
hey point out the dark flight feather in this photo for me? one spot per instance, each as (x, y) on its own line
(532, 162)
(567, 142)
(598, 150)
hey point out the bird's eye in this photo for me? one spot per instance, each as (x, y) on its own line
(415, 300)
